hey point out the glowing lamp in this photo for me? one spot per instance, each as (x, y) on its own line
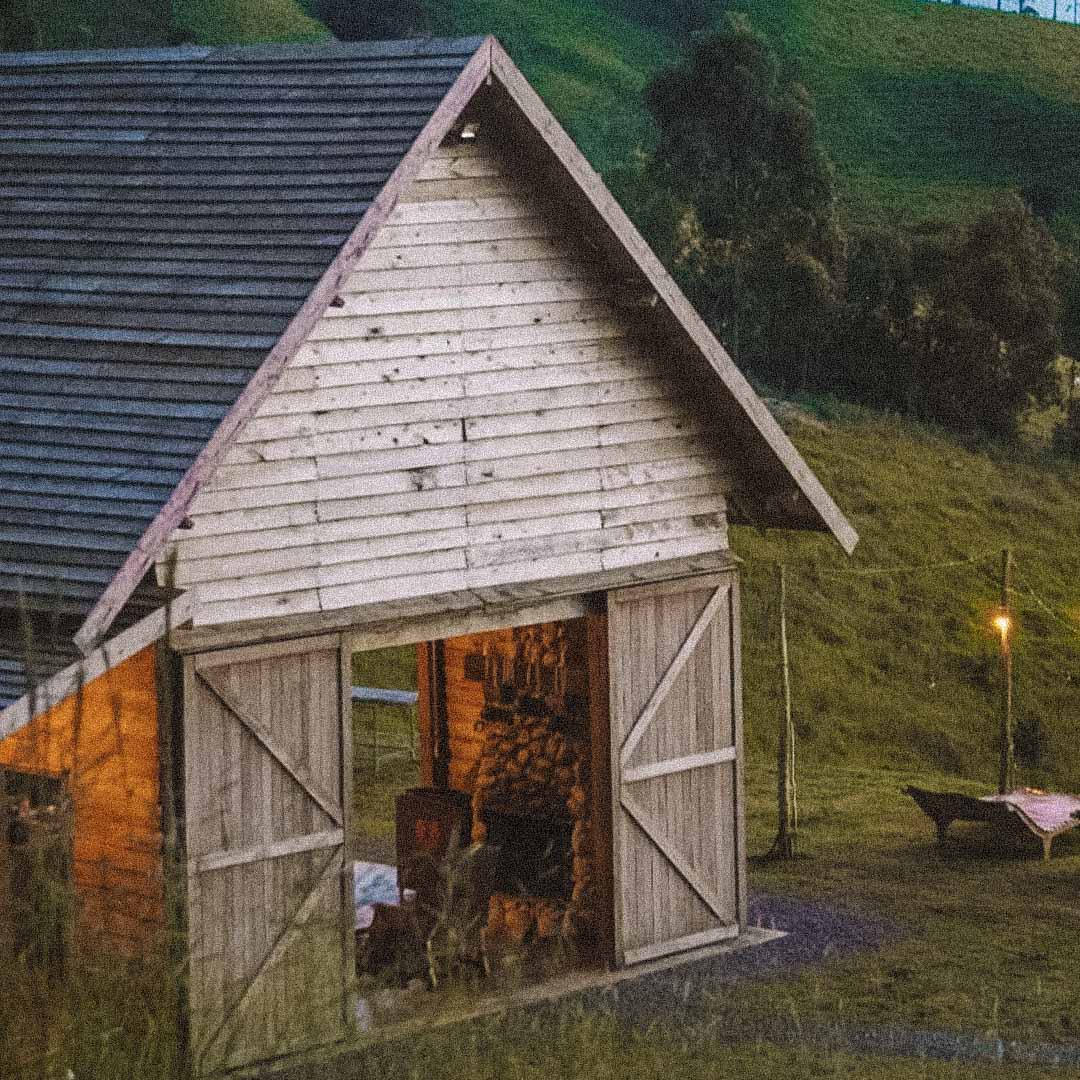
(1003, 623)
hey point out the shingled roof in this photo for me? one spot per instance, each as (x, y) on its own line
(163, 216)
(173, 224)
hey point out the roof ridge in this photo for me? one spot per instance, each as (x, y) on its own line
(264, 52)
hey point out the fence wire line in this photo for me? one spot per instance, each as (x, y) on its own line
(915, 568)
(1047, 609)
(911, 568)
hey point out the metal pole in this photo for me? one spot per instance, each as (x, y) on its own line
(1007, 759)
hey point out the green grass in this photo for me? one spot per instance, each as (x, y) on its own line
(928, 109)
(93, 24)
(247, 22)
(573, 1046)
(589, 61)
(894, 669)
(376, 788)
(990, 946)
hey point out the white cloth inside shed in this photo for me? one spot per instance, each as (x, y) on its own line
(374, 883)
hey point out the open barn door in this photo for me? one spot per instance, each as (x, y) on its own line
(678, 862)
(266, 788)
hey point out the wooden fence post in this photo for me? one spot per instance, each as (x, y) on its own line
(786, 843)
(1007, 752)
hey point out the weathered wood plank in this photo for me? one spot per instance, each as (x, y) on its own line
(532, 436)
(463, 253)
(435, 615)
(453, 321)
(366, 301)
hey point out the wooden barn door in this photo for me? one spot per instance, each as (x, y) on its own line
(266, 791)
(676, 766)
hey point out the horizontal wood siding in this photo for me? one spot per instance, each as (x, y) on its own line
(465, 703)
(105, 741)
(474, 410)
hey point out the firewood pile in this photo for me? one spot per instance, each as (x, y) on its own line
(534, 761)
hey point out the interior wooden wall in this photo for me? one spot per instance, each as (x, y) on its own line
(105, 741)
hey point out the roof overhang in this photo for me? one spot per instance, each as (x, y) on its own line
(64, 684)
(776, 487)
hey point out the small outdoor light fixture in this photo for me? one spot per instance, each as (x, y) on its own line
(1003, 623)
(469, 131)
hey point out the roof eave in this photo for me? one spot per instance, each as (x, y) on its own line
(814, 507)
(155, 537)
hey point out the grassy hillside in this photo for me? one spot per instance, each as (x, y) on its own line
(110, 24)
(243, 22)
(590, 61)
(898, 668)
(87, 24)
(928, 109)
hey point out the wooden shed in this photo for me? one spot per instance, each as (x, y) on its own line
(310, 350)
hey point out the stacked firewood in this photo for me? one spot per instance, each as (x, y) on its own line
(532, 762)
(528, 764)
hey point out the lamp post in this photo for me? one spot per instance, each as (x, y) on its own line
(1004, 624)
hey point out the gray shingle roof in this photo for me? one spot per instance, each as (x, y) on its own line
(163, 216)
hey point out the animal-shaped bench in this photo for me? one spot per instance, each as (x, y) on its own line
(1046, 814)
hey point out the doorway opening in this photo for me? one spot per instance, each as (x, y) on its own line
(477, 840)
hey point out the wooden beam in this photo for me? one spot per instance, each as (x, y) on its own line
(406, 622)
(651, 828)
(677, 765)
(602, 810)
(300, 773)
(291, 929)
(277, 849)
(656, 699)
(683, 944)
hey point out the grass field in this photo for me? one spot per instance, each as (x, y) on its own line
(929, 109)
(96, 24)
(987, 941)
(901, 667)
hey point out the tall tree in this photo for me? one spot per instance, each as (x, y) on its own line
(757, 239)
(18, 28)
(990, 336)
(369, 20)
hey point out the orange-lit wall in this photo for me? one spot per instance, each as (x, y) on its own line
(106, 743)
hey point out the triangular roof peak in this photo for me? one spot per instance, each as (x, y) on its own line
(777, 488)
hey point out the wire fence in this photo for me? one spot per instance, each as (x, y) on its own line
(1066, 11)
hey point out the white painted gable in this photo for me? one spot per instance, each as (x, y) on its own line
(476, 411)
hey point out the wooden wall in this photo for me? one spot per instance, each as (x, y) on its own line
(106, 742)
(465, 703)
(477, 410)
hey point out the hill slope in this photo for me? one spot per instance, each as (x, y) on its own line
(902, 667)
(928, 109)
